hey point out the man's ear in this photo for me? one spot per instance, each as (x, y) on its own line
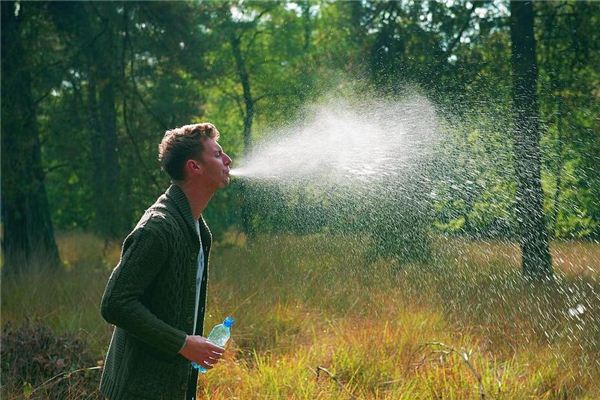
(193, 166)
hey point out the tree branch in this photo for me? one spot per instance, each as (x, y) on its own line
(125, 113)
(135, 88)
(464, 27)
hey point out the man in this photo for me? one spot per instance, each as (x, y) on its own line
(156, 295)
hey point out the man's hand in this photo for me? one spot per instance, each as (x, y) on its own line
(201, 351)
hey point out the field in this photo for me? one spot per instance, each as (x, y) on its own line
(316, 321)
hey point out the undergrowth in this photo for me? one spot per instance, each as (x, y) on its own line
(314, 320)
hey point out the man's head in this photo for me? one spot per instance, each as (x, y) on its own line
(192, 152)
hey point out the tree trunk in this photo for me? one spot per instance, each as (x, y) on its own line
(305, 5)
(559, 168)
(533, 237)
(247, 93)
(102, 57)
(28, 235)
(248, 119)
(92, 27)
(111, 199)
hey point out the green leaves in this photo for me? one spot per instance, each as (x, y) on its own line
(172, 63)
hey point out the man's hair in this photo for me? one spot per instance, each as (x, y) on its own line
(182, 144)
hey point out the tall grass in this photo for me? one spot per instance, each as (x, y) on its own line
(67, 300)
(315, 321)
(312, 302)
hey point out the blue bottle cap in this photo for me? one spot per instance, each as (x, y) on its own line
(228, 322)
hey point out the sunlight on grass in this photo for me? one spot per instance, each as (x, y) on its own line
(315, 321)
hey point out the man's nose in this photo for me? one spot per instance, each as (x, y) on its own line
(227, 159)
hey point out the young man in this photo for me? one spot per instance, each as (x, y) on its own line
(156, 295)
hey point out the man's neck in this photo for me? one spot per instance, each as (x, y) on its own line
(197, 196)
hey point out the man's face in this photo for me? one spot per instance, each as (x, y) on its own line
(215, 165)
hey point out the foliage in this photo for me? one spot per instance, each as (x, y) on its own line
(110, 78)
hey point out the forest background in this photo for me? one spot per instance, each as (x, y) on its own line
(97, 84)
(89, 88)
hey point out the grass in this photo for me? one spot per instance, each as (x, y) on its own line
(315, 321)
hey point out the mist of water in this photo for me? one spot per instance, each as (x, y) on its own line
(350, 144)
(386, 162)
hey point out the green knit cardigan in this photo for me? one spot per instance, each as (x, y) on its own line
(150, 298)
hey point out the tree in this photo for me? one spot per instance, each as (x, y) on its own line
(568, 45)
(93, 28)
(253, 64)
(533, 237)
(28, 235)
(130, 71)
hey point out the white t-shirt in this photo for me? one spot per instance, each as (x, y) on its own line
(199, 273)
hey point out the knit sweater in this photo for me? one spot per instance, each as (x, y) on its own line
(150, 298)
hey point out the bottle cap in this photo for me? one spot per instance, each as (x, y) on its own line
(228, 322)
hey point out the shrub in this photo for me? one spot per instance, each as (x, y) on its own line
(42, 365)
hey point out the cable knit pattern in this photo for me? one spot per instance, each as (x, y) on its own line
(150, 299)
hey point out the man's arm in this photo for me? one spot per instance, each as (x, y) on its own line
(144, 254)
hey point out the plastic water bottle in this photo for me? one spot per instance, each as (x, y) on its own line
(219, 335)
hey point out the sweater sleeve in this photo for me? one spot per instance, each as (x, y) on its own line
(144, 254)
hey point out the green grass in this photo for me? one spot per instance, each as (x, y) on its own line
(315, 321)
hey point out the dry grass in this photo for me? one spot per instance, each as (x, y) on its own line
(573, 258)
(315, 321)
